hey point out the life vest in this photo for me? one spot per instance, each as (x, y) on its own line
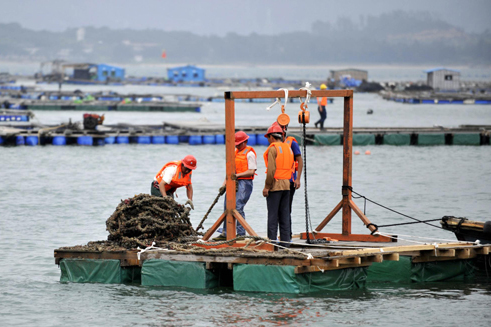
(241, 161)
(289, 140)
(322, 101)
(284, 160)
(178, 180)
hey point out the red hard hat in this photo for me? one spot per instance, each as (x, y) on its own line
(283, 128)
(189, 162)
(240, 137)
(275, 128)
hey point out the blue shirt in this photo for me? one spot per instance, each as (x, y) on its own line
(296, 151)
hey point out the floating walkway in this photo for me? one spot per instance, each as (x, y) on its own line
(203, 133)
(435, 98)
(302, 269)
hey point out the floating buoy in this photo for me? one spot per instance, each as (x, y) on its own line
(357, 152)
(220, 139)
(209, 139)
(122, 140)
(367, 152)
(369, 111)
(31, 140)
(184, 138)
(19, 140)
(158, 139)
(261, 140)
(99, 141)
(59, 140)
(172, 139)
(110, 140)
(85, 140)
(252, 140)
(195, 140)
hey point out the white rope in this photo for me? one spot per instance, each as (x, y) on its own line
(278, 100)
(309, 92)
(151, 247)
(426, 238)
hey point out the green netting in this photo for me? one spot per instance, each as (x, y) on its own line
(320, 139)
(390, 271)
(363, 139)
(467, 139)
(397, 139)
(131, 275)
(282, 279)
(96, 271)
(177, 273)
(431, 139)
(455, 270)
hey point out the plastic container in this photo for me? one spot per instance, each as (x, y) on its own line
(252, 140)
(195, 140)
(110, 140)
(31, 140)
(184, 138)
(59, 140)
(261, 140)
(209, 139)
(141, 139)
(158, 139)
(19, 140)
(122, 139)
(172, 139)
(220, 139)
(99, 141)
(85, 140)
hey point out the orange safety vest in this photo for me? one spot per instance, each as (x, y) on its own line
(284, 160)
(322, 101)
(178, 180)
(289, 141)
(241, 161)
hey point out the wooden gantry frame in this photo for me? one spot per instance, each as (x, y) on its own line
(231, 216)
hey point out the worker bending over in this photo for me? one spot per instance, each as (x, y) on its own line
(322, 105)
(173, 175)
(245, 168)
(278, 158)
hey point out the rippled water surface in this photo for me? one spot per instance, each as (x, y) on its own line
(59, 196)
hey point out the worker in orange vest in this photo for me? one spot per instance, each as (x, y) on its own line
(245, 169)
(173, 175)
(278, 158)
(322, 105)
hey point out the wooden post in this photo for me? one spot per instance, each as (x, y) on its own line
(230, 169)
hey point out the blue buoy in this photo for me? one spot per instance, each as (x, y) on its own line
(122, 140)
(19, 140)
(261, 140)
(110, 140)
(220, 139)
(195, 140)
(184, 138)
(59, 140)
(252, 140)
(172, 139)
(99, 141)
(1, 140)
(158, 139)
(141, 139)
(31, 140)
(85, 140)
(209, 139)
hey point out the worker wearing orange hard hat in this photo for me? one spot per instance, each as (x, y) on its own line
(245, 169)
(321, 107)
(173, 175)
(278, 158)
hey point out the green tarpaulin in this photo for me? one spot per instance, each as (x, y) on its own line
(320, 139)
(97, 271)
(431, 139)
(282, 279)
(397, 139)
(178, 274)
(390, 271)
(363, 139)
(467, 139)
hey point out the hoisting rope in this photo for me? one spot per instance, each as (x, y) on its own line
(279, 101)
(209, 210)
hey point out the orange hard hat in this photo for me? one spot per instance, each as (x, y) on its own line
(275, 128)
(240, 137)
(189, 162)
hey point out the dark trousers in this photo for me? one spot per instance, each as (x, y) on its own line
(323, 114)
(292, 193)
(155, 190)
(279, 214)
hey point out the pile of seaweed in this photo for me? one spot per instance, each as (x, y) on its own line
(144, 219)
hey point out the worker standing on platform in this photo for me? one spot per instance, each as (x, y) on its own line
(322, 105)
(278, 158)
(173, 175)
(245, 169)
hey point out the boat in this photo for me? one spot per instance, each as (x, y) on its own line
(468, 230)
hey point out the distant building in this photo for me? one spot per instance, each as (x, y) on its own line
(443, 78)
(95, 72)
(356, 74)
(187, 73)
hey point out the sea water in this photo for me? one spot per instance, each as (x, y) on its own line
(61, 196)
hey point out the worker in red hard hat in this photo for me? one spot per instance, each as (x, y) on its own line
(278, 158)
(173, 175)
(245, 169)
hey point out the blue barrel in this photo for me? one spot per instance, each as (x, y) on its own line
(59, 140)
(195, 140)
(110, 140)
(252, 140)
(141, 139)
(220, 139)
(85, 140)
(31, 140)
(209, 139)
(172, 139)
(19, 140)
(1, 140)
(261, 140)
(122, 139)
(158, 139)
(99, 141)
(184, 138)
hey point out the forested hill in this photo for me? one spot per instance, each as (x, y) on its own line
(398, 37)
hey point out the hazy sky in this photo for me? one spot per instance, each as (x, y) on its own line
(219, 17)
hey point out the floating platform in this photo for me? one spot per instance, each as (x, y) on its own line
(304, 269)
(436, 98)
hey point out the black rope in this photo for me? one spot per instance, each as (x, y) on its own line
(397, 212)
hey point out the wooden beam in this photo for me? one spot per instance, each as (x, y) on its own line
(373, 258)
(350, 261)
(349, 237)
(230, 167)
(331, 265)
(391, 257)
(127, 258)
(291, 94)
(484, 250)
(244, 223)
(215, 226)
